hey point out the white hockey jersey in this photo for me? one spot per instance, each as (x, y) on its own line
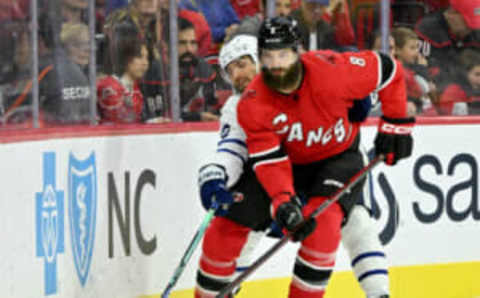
(231, 150)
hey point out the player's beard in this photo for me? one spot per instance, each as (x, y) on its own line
(286, 81)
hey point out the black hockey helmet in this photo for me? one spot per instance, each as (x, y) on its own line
(278, 33)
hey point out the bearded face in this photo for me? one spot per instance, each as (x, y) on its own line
(187, 47)
(187, 59)
(281, 68)
(281, 78)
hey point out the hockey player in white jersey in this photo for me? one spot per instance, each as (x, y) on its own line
(228, 178)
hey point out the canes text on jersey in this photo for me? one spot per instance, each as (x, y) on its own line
(313, 136)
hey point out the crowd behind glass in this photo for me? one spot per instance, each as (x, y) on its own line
(111, 63)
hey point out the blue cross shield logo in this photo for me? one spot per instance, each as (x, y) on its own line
(49, 223)
(82, 210)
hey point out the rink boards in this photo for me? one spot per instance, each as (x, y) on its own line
(112, 215)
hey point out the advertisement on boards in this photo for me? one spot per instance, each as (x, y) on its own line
(111, 216)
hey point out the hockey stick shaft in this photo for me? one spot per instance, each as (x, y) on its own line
(269, 253)
(189, 252)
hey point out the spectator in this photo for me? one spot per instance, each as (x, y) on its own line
(119, 96)
(147, 21)
(202, 30)
(419, 86)
(325, 24)
(63, 87)
(142, 15)
(65, 90)
(445, 34)
(15, 61)
(197, 89)
(463, 96)
(220, 15)
(75, 40)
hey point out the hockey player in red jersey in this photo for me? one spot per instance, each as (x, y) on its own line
(300, 141)
(239, 62)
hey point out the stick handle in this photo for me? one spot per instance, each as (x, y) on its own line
(189, 252)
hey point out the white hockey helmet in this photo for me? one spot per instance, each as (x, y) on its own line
(237, 47)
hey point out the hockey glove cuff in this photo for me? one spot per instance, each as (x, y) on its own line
(394, 139)
(212, 180)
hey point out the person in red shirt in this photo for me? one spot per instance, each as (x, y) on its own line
(300, 141)
(119, 97)
(463, 96)
(445, 34)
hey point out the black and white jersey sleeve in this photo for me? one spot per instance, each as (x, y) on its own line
(232, 152)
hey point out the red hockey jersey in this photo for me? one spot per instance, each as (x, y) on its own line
(116, 103)
(312, 124)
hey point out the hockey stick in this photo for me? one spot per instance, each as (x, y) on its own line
(263, 258)
(189, 252)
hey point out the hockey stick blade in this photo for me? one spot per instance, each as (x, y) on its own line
(280, 243)
(189, 252)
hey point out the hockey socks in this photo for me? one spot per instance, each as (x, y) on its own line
(316, 257)
(369, 263)
(222, 244)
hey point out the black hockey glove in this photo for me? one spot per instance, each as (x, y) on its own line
(212, 180)
(289, 216)
(394, 139)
